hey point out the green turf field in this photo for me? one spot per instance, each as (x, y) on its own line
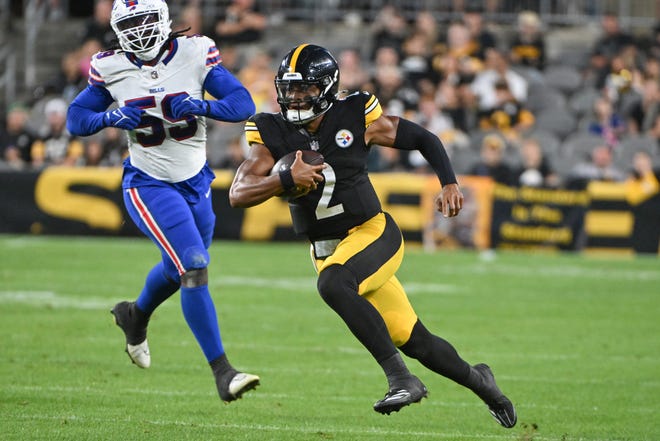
(573, 340)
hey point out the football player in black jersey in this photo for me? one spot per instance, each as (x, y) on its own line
(357, 248)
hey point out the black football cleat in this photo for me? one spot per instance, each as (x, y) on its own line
(234, 384)
(500, 407)
(134, 324)
(397, 397)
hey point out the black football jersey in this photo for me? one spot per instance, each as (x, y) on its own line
(346, 198)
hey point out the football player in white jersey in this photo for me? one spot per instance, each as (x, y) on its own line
(158, 79)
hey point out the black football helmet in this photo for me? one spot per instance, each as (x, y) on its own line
(305, 66)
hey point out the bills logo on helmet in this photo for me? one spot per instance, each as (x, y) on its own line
(130, 3)
(344, 138)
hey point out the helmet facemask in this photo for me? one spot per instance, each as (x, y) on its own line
(142, 30)
(302, 100)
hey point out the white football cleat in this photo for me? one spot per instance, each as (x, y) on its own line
(134, 324)
(239, 384)
(139, 354)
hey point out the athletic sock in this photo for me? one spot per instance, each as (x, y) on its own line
(395, 370)
(157, 288)
(221, 366)
(199, 312)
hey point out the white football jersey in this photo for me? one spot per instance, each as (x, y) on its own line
(167, 149)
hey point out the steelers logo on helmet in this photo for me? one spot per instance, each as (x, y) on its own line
(344, 138)
(307, 83)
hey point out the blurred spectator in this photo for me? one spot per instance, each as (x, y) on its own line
(497, 69)
(535, 170)
(71, 79)
(234, 155)
(456, 60)
(16, 138)
(492, 161)
(221, 136)
(431, 117)
(394, 94)
(507, 115)
(598, 167)
(612, 40)
(190, 18)
(386, 56)
(459, 103)
(480, 37)
(527, 47)
(353, 74)
(387, 159)
(607, 123)
(98, 27)
(389, 29)
(416, 62)
(86, 52)
(242, 23)
(426, 25)
(643, 195)
(646, 107)
(257, 76)
(653, 49)
(654, 132)
(107, 149)
(55, 146)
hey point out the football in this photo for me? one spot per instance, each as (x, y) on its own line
(308, 156)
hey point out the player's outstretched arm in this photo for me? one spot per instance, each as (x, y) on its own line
(392, 131)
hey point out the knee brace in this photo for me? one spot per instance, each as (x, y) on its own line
(334, 283)
(195, 261)
(194, 278)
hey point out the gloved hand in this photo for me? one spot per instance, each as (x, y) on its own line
(183, 105)
(126, 117)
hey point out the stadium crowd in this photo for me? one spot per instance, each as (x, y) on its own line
(499, 106)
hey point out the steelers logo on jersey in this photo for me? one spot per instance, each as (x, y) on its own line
(344, 138)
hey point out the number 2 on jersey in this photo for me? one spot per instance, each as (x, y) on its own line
(323, 210)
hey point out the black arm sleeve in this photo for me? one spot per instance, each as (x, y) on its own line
(411, 136)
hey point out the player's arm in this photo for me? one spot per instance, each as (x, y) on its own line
(87, 113)
(233, 102)
(253, 183)
(392, 131)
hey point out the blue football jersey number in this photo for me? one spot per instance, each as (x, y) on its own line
(157, 132)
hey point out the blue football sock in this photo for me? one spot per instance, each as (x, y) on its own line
(157, 289)
(199, 311)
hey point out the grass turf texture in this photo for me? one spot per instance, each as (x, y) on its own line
(573, 340)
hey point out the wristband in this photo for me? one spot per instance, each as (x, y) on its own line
(287, 180)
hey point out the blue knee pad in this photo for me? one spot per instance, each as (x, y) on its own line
(195, 258)
(195, 261)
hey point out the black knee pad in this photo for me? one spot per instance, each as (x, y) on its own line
(195, 277)
(335, 282)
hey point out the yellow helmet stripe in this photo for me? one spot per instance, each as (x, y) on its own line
(294, 57)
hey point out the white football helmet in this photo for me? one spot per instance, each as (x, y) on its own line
(142, 26)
